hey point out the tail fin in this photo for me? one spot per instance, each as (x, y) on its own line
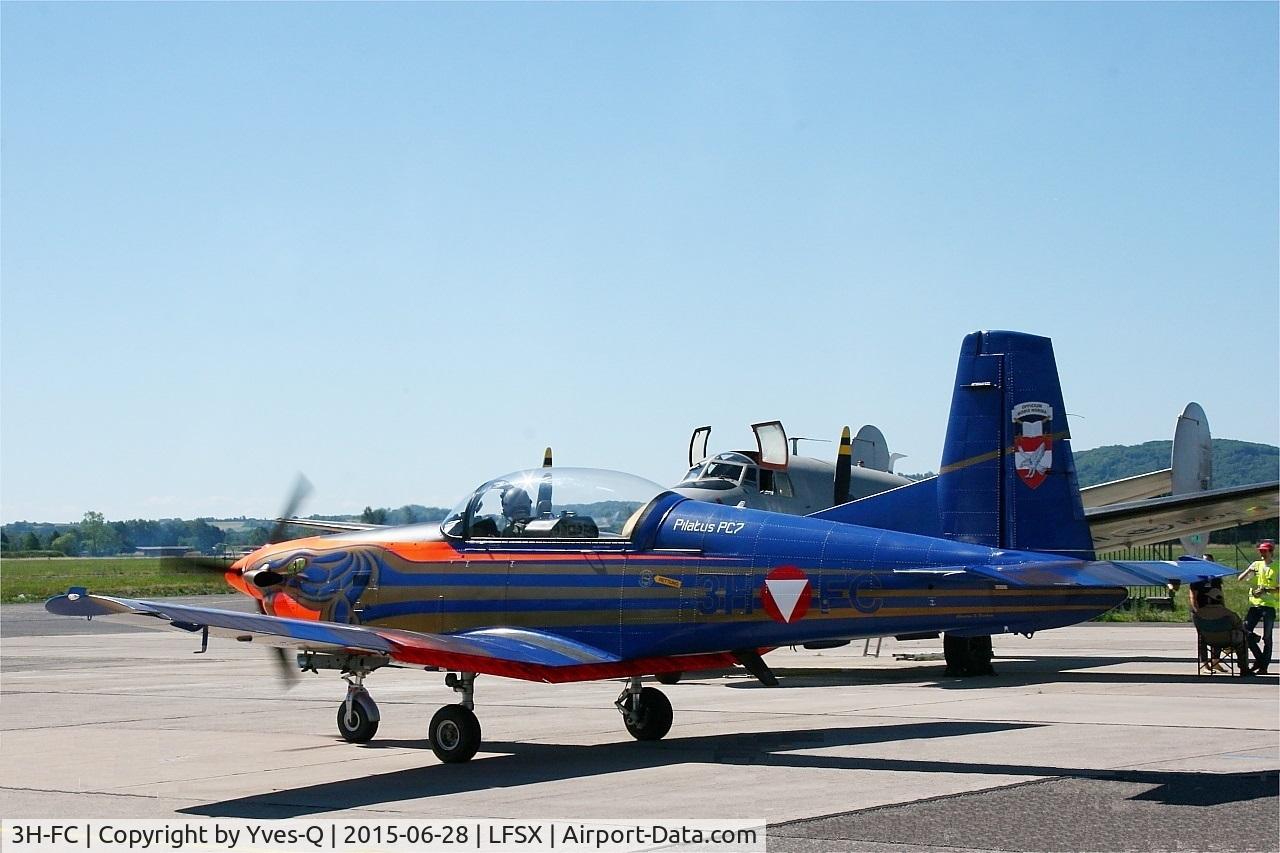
(1008, 479)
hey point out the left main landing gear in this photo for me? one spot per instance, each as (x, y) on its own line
(454, 732)
(646, 712)
(967, 656)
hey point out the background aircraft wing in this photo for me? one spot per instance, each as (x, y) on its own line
(1161, 519)
(1103, 573)
(512, 652)
(328, 526)
(1129, 489)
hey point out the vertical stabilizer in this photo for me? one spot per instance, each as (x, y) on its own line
(1008, 479)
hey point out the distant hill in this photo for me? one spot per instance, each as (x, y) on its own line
(1235, 463)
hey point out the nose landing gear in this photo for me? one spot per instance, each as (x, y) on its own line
(646, 712)
(358, 715)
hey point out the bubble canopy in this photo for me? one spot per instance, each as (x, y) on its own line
(552, 503)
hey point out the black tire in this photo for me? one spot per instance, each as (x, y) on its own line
(669, 677)
(454, 734)
(967, 656)
(361, 727)
(652, 717)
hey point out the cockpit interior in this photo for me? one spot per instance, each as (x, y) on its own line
(735, 469)
(553, 503)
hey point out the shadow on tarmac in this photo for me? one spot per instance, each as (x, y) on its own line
(1011, 672)
(520, 764)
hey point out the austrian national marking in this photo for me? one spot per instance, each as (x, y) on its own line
(786, 594)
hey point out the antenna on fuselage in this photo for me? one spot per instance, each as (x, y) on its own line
(544, 487)
(795, 443)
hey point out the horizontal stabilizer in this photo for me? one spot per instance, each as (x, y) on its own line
(1102, 573)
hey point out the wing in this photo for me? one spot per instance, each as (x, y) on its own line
(512, 652)
(1161, 519)
(1103, 573)
(1136, 488)
(328, 526)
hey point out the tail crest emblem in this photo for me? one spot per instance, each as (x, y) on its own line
(1033, 442)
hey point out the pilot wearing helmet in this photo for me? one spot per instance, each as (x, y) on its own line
(517, 509)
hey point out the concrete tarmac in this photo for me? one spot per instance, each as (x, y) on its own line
(1095, 737)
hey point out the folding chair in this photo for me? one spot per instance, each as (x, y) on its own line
(1219, 638)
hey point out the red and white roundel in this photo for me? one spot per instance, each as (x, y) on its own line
(785, 594)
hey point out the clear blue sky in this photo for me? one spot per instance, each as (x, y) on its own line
(403, 247)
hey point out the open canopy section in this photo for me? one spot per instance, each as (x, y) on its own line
(552, 503)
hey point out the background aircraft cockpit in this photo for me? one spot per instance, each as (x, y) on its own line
(552, 503)
(723, 471)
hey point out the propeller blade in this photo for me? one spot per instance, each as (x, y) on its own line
(196, 563)
(844, 468)
(286, 669)
(301, 488)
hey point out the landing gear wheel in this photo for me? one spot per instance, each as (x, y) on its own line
(967, 656)
(669, 677)
(454, 734)
(357, 724)
(649, 716)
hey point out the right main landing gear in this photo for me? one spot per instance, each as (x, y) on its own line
(646, 712)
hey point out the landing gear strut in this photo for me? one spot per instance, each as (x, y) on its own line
(357, 715)
(967, 656)
(645, 710)
(454, 732)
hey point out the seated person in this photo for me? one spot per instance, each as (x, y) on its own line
(1195, 594)
(517, 509)
(1218, 626)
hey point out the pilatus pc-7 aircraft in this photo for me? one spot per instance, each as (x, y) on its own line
(562, 575)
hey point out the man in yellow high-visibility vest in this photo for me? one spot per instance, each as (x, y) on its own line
(1262, 603)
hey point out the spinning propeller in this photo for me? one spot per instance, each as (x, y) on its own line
(269, 581)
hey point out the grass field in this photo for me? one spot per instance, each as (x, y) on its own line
(38, 578)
